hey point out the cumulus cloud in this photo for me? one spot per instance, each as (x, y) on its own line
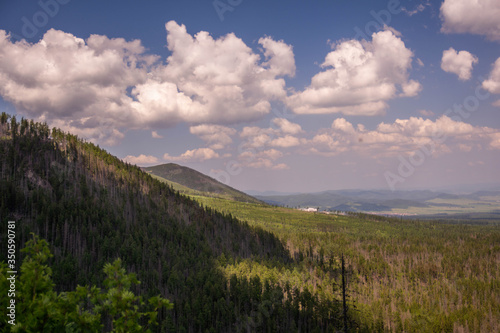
(495, 142)
(112, 84)
(141, 159)
(82, 84)
(259, 144)
(459, 63)
(283, 135)
(223, 80)
(359, 78)
(287, 126)
(155, 135)
(194, 155)
(402, 136)
(478, 17)
(88, 128)
(492, 84)
(216, 136)
(262, 159)
(285, 142)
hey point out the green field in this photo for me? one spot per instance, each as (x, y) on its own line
(451, 206)
(408, 276)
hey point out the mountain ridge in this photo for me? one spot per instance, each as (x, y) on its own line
(91, 207)
(384, 200)
(197, 182)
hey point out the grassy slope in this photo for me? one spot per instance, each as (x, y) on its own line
(176, 186)
(419, 276)
(192, 182)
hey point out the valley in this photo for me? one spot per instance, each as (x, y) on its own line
(230, 265)
(405, 275)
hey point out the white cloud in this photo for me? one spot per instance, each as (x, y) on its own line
(280, 166)
(285, 142)
(279, 56)
(459, 63)
(342, 125)
(262, 159)
(478, 17)
(111, 84)
(493, 82)
(88, 128)
(194, 155)
(216, 136)
(79, 83)
(418, 9)
(287, 127)
(155, 135)
(141, 159)
(283, 136)
(495, 142)
(359, 78)
(272, 154)
(426, 113)
(223, 79)
(402, 136)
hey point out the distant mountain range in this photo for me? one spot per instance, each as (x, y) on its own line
(421, 201)
(415, 202)
(192, 182)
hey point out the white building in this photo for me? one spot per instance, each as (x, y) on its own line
(309, 209)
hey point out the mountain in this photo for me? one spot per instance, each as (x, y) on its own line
(189, 181)
(385, 201)
(92, 208)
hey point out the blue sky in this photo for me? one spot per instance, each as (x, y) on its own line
(284, 95)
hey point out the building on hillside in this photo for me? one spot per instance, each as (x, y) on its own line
(309, 209)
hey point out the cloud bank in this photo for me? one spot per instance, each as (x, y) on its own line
(112, 84)
(478, 17)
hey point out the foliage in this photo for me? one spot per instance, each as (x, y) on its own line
(93, 208)
(39, 308)
(413, 276)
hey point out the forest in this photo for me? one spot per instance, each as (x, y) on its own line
(92, 209)
(230, 266)
(404, 275)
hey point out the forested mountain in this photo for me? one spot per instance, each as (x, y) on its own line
(197, 183)
(93, 208)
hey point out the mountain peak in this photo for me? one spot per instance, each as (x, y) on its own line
(197, 183)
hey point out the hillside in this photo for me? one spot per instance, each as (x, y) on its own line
(189, 181)
(231, 266)
(406, 276)
(93, 208)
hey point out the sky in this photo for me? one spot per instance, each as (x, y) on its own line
(289, 96)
